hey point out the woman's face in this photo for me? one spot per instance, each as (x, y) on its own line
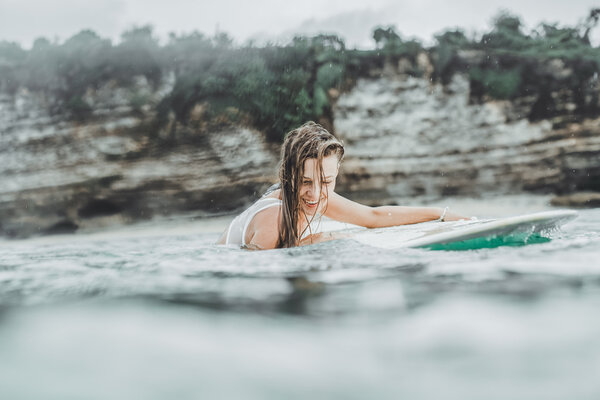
(312, 189)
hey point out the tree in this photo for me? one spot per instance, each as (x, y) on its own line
(590, 23)
(138, 54)
(384, 36)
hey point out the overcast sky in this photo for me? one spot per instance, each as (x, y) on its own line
(25, 20)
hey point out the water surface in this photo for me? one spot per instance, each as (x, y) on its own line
(160, 312)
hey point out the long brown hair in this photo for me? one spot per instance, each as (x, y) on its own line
(310, 140)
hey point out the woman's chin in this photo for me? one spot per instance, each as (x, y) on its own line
(309, 210)
(312, 210)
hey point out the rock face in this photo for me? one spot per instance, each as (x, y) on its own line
(579, 199)
(58, 176)
(406, 137)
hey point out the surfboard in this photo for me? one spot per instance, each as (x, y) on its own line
(469, 234)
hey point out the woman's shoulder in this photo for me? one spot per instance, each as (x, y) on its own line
(263, 229)
(275, 194)
(267, 211)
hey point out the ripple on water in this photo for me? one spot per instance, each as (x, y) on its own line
(175, 314)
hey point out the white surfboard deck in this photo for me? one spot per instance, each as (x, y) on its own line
(440, 233)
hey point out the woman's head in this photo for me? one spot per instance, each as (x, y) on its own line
(310, 158)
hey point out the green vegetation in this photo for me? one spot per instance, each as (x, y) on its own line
(274, 88)
(499, 83)
(507, 62)
(64, 72)
(277, 87)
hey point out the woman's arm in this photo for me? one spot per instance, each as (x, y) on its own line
(345, 210)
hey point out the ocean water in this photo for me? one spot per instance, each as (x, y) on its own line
(158, 311)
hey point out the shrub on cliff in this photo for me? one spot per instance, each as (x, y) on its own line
(138, 54)
(445, 54)
(65, 72)
(507, 62)
(278, 87)
(274, 87)
(12, 59)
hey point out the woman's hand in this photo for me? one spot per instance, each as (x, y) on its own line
(450, 216)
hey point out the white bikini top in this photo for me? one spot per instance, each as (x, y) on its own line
(236, 234)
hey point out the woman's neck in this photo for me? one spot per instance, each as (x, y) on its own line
(304, 222)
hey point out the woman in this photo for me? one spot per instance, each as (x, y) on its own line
(310, 161)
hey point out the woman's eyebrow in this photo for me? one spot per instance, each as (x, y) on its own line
(306, 178)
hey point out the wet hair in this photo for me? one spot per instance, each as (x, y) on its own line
(310, 140)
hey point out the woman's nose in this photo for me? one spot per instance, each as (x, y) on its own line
(315, 190)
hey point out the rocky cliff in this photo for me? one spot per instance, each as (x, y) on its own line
(405, 137)
(59, 175)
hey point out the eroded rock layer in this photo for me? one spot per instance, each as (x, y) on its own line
(406, 137)
(58, 176)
